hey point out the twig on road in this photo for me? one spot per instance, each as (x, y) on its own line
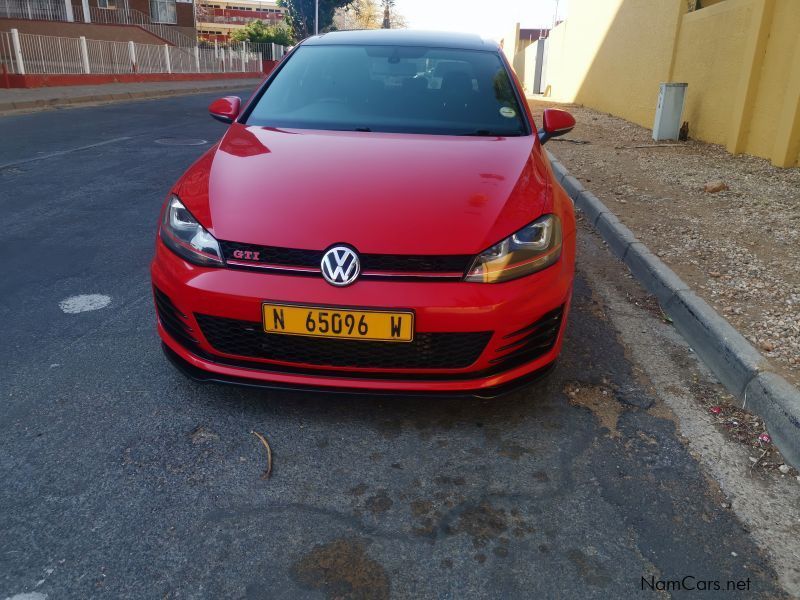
(268, 471)
(570, 141)
(760, 458)
(649, 146)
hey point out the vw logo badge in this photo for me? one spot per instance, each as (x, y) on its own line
(340, 266)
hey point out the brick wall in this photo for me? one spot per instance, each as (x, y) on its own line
(186, 16)
(140, 5)
(189, 32)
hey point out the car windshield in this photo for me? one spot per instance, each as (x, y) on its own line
(399, 89)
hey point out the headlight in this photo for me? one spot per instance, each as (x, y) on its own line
(182, 234)
(532, 248)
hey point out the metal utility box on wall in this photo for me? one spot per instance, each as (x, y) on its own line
(667, 125)
(537, 73)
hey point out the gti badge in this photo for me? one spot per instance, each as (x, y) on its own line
(340, 266)
(246, 254)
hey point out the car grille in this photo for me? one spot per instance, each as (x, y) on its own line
(530, 342)
(427, 351)
(173, 320)
(272, 255)
(370, 263)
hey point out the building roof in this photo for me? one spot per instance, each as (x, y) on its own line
(402, 37)
(271, 4)
(533, 34)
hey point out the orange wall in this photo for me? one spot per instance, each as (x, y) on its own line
(740, 58)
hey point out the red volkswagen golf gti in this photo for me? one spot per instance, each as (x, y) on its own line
(379, 216)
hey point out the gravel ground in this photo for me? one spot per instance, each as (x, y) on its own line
(738, 248)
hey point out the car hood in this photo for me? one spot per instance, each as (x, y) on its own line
(381, 193)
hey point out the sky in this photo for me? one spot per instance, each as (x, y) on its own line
(488, 18)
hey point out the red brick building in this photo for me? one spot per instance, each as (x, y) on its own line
(171, 21)
(217, 19)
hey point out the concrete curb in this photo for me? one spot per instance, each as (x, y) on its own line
(35, 105)
(737, 364)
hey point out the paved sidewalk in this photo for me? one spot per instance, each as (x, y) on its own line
(52, 97)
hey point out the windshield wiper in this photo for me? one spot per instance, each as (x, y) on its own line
(367, 129)
(488, 133)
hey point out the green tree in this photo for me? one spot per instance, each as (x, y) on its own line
(260, 33)
(367, 14)
(359, 14)
(301, 15)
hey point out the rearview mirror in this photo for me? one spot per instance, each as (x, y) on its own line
(225, 109)
(555, 122)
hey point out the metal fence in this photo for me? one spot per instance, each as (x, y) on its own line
(267, 51)
(6, 53)
(22, 53)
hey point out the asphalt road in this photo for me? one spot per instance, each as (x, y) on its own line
(121, 479)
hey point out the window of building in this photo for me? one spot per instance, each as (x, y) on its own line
(107, 3)
(162, 11)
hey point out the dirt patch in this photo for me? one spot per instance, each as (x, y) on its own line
(428, 513)
(379, 503)
(486, 524)
(420, 508)
(482, 523)
(662, 411)
(512, 451)
(589, 568)
(342, 569)
(598, 399)
(500, 551)
(359, 489)
(737, 248)
(445, 480)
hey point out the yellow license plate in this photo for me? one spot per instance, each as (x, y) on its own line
(321, 321)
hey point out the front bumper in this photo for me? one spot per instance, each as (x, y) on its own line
(207, 376)
(515, 311)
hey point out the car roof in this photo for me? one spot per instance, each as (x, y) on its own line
(402, 37)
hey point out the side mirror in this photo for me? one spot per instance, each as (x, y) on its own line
(225, 109)
(555, 122)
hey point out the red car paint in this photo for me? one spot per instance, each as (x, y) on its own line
(380, 193)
